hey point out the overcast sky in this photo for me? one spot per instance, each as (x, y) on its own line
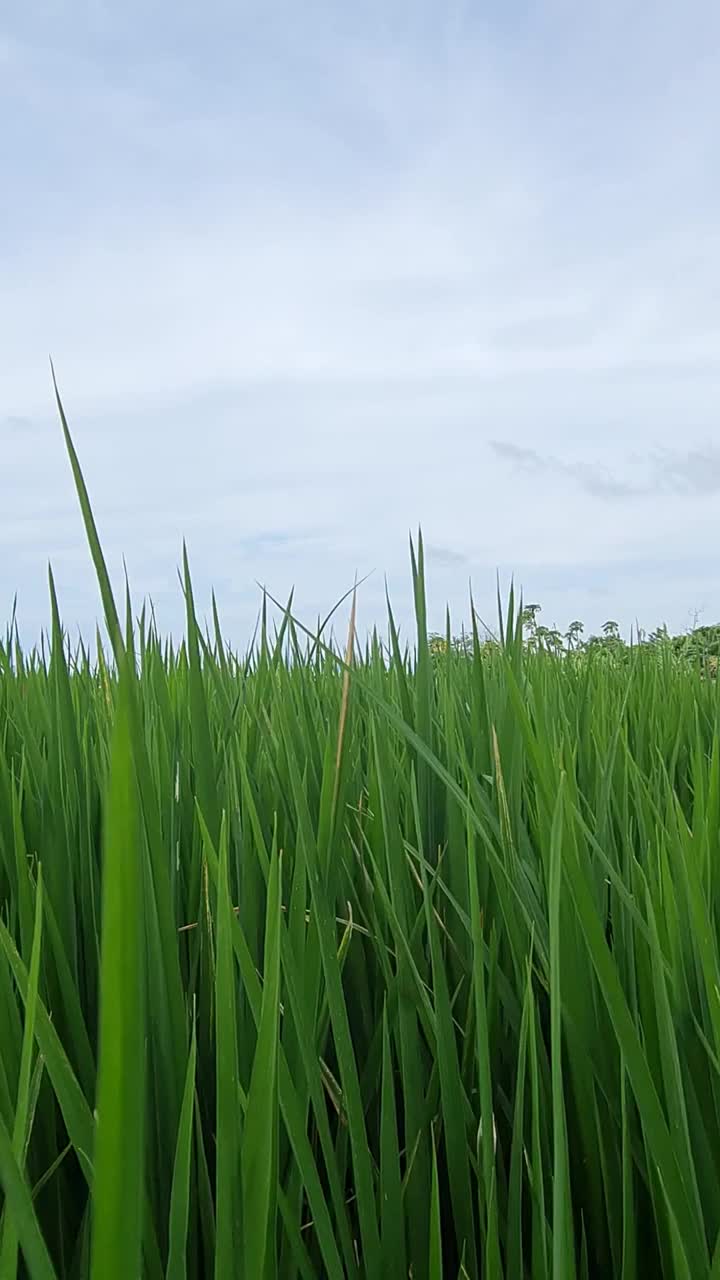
(314, 274)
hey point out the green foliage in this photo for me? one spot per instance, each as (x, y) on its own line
(699, 647)
(402, 967)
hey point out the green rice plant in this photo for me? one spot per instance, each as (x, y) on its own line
(395, 960)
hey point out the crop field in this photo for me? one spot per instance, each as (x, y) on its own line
(357, 960)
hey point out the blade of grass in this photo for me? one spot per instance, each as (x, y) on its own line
(118, 1191)
(260, 1137)
(180, 1196)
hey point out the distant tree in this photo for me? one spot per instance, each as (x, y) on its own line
(700, 645)
(573, 635)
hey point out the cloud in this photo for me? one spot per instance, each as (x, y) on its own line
(298, 269)
(337, 225)
(590, 477)
(694, 472)
(445, 556)
(16, 422)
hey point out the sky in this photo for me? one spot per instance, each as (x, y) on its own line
(313, 276)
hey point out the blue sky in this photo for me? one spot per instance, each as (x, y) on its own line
(312, 275)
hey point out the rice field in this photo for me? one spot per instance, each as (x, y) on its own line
(371, 962)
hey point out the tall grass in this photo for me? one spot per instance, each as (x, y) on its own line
(382, 965)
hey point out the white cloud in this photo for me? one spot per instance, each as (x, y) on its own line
(297, 276)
